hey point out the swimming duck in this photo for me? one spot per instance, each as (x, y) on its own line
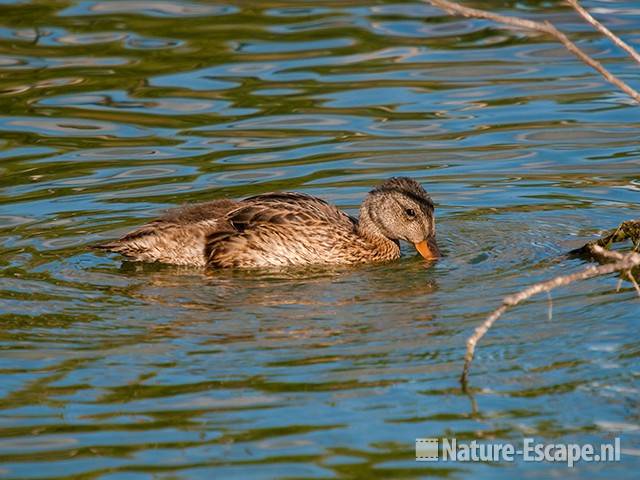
(286, 229)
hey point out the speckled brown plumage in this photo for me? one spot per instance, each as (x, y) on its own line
(286, 229)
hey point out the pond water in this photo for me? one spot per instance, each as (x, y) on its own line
(113, 111)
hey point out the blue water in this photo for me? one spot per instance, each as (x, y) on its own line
(113, 111)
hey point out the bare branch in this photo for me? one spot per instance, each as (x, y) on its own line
(629, 230)
(623, 263)
(633, 282)
(604, 30)
(541, 27)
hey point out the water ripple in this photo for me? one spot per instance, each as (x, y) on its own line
(114, 111)
(152, 8)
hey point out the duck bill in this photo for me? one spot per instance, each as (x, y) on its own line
(428, 249)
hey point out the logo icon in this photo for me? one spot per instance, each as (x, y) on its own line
(427, 449)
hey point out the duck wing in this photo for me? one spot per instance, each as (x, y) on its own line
(178, 237)
(280, 229)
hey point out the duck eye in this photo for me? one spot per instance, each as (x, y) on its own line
(411, 213)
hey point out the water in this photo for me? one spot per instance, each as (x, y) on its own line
(114, 111)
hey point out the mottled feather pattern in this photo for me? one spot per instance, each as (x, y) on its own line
(178, 237)
(407, 188)
(275, 230)
(178, 244)
(280, 229)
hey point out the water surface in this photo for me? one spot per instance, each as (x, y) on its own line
(113, 111)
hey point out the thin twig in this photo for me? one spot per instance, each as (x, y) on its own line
(541, 27)
(601, 252)
(550, 304)
(604, 30)
(633, 282)
(623, 263)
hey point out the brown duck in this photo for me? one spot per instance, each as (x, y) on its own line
(286, 229)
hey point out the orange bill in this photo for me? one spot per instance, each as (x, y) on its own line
(428, 249)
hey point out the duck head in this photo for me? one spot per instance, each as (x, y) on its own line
(400, 209)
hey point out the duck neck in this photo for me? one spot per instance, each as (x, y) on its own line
(373, 234)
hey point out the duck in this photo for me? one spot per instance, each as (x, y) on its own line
(282, 229)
